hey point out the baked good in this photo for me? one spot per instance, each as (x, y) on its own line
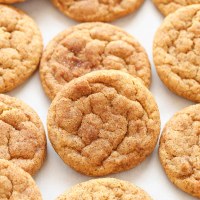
(97, 10)
(16, 184)
(11, 1)
(176, 52)
(20, 47)
(168, 6)
(179, 149)
(103, 122)
(88, 47)
(106, 188)
(22, 136)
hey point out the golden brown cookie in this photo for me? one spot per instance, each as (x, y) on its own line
(20, 47)
(105, 188)
(103, 122)
(11, 1)
(180, 149)
(88, 47)
(176, 52)
(16, 184)
(97, 10)
(168, 6)
(22, 136)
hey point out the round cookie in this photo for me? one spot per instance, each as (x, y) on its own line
(20, 47)
(105, 188)
(88, 47)
(176, 52)
(103, 122)
(97, 10)
(22, 136)
(179, 149)
(16, 184)
(168, 6)
(11, 1)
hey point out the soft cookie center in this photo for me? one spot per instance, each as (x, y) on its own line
(103, 123)
(17, 134)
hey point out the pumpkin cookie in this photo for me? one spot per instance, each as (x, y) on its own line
(176, 52)
(88, 47)
(97, 10)
(180, 149)
(106, 188)
(16, 184)
(103, 122)
(22, 136)
(11, 1)
(168, 6)
(20, 47)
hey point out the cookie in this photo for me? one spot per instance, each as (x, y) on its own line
(105, 188)
(88, 47)
(179, 149)
(11, 1)
(168, 6)
(16, 184)
(97, 10)
(20, 47)
(22, 136)
(176, 52)
(103, 122)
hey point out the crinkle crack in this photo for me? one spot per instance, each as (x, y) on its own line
(97, 10)
(22, 138)
(176, 52)
(167, 7)
(99, 127)
(16, 184)
(105, 188)
(91, 47)
(20, 47)
(180, 149)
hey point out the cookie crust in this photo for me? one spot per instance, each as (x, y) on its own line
(103, 122)
(22, 136)
(11, 1)
(97, 10)
(16, 184)
(176, 52)
(106, 188)
(179, 150)
(20, 47)
(88, 47)
(167, 6)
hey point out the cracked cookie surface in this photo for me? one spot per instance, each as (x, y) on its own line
(97, 10)
(179, 149)
(11, 1)
(20, 47)
(103, 122)
(106, 188)
(89, 47)
(22, 136)
(168, 6)
(16, 184)
(176, 52)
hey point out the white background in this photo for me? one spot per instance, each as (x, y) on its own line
(55, 177)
